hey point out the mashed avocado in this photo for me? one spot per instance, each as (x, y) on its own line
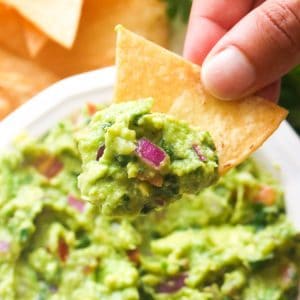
(135, 160)
(230, 241)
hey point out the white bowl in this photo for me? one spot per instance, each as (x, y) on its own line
(280, 154)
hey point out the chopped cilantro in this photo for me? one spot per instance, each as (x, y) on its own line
(179, 8)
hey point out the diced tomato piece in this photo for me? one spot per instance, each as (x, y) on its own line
(48, 165)
(63, 250)
(92, 108)
(134, 255)
(266, 195)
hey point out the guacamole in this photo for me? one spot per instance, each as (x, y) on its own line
(230, 241)
(135, 161)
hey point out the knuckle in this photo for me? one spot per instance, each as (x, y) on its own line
(280, 19)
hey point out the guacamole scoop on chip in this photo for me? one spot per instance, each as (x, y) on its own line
(134, 161)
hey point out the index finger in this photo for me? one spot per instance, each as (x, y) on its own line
(209, 21)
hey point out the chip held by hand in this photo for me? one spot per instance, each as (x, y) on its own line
(238, 128)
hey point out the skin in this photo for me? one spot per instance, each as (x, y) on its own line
(244, 46)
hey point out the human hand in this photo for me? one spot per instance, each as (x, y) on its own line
(245, 46)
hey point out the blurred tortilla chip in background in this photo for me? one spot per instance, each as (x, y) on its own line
(58, 19)
(21, 78)
(94, 46)
(43, 41)
(34, 38)
(11, 31)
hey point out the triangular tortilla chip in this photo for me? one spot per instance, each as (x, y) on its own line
(95, 42)
(11, 31)
(35, 39)
(20, 78)
(58, 19)
(147, 70)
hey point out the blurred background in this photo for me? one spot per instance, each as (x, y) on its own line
(44, 41)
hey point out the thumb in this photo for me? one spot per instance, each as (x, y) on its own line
(257, 51)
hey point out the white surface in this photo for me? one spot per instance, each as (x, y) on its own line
(280, 154)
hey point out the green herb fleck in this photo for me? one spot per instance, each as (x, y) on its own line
(179, 8)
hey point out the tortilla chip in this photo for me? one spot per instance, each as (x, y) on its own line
(35, 39)
(22, 79)
(11, 31)
(147, 70)
(94, 46)
(58, 19)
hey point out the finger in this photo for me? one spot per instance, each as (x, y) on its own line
(262, 47)
(258, 2)
(209, 21)
(271, 92)
(201, 37)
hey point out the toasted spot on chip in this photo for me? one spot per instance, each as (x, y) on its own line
(147, 70)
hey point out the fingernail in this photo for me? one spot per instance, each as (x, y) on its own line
(228, 74)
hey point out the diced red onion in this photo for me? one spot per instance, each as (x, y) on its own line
(160, 202)
(63, 250)
(76, 203)
(4, 246)
(172, 285)
(100, 152)
(150, 153)
(199, 152)
(53, 289)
